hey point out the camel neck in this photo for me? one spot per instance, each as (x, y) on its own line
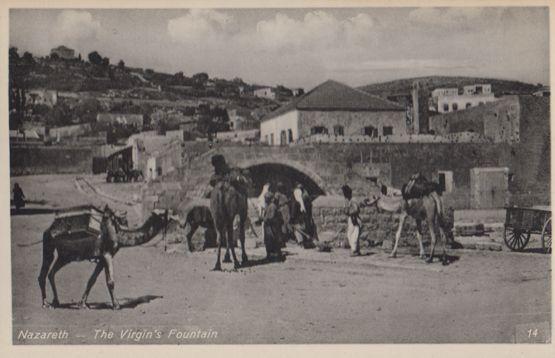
(139, 236)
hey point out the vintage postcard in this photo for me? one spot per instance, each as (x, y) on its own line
(278, 175)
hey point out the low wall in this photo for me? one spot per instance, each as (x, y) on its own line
(30, 160)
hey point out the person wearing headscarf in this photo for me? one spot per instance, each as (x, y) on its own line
(18, 196)
(282, 202)
(272, 227)
(352, 211)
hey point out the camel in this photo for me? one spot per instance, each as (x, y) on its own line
(102, 249)
(427, 208)
(229, 207)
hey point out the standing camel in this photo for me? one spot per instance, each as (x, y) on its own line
(428, 208)
(101, 248)
(229, 207)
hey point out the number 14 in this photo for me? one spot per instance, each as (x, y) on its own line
(532, 332)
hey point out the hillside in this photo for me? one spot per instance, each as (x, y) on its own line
(401, 86)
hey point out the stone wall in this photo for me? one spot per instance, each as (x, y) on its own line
(353, 123)
(498, 121)
(31, 160)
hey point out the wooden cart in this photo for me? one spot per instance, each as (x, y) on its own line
(520, 223)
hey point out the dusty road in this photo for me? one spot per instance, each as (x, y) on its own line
(312, 297)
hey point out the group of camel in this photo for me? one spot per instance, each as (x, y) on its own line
(229, 207)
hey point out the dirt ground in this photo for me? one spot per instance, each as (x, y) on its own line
(312, 297)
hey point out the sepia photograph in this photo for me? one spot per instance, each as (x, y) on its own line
(310, 175)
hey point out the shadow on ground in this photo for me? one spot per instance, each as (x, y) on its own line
(124, 303)
(31, 211)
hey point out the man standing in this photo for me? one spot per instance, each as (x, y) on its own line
(272, 228)
(352, 210)
(282, 202)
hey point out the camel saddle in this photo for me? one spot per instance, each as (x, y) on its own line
(78, 221)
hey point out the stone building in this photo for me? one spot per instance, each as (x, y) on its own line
(63, 52)
(473, 95)
(126, 119)
(333, 108)
(241, 119)
(499, 122)
(265, 92)
(41, 96)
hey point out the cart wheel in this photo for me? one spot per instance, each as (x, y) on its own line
(516, 239)
(546, 236)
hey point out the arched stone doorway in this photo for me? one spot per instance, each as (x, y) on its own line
(289, 173)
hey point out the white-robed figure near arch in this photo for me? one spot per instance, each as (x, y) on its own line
(261, 202)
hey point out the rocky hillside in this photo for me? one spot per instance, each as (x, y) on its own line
(499, 87)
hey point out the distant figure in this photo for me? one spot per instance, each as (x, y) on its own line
(272, 228)
(18, 197)
(301, 218)
(282, 202)
(261, 202)
(352, 210)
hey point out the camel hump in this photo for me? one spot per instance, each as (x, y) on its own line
(418, 186)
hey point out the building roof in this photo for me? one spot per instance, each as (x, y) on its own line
(62, 47)
(123, 118)
(335, 96)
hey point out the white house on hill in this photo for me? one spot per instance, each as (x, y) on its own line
(335, 109)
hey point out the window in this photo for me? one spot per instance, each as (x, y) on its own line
(283, 138)
(370, 131)
(455, 107)
(338, 130)
(266, 139)
(318, 130)
(445, 178)
(468, 105)
(446, 107)
(290, 135)
(272, 139)
(387, 131)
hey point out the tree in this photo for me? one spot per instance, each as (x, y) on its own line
(79, 58)
(105, 62)
(95, 58)
(14, 56)
(178, 77)
(28, 58)
(121, 65)
(200, 79)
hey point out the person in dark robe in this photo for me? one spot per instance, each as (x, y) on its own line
(18, 197)
(282, 202)
(272, 228)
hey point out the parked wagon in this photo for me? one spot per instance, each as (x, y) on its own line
(521, 223)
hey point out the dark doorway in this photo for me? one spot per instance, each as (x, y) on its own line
(273, 173)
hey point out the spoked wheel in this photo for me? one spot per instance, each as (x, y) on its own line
(516, 239)
(546, 236)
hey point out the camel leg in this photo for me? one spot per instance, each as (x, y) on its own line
(444, 259)
(227, 258)
(231, 247)
(47, 258)
(190, 230)
(419, 237)
(431, 226)
(218, 266)
(244, 258)
(58, 264)
(97, 270)
(398, 234)
(109, 271)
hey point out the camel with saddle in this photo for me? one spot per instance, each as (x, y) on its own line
(421, 200)
(85, 236)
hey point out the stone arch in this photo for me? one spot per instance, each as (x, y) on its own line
(264, 170)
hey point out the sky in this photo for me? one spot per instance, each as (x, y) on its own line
(302, 47)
